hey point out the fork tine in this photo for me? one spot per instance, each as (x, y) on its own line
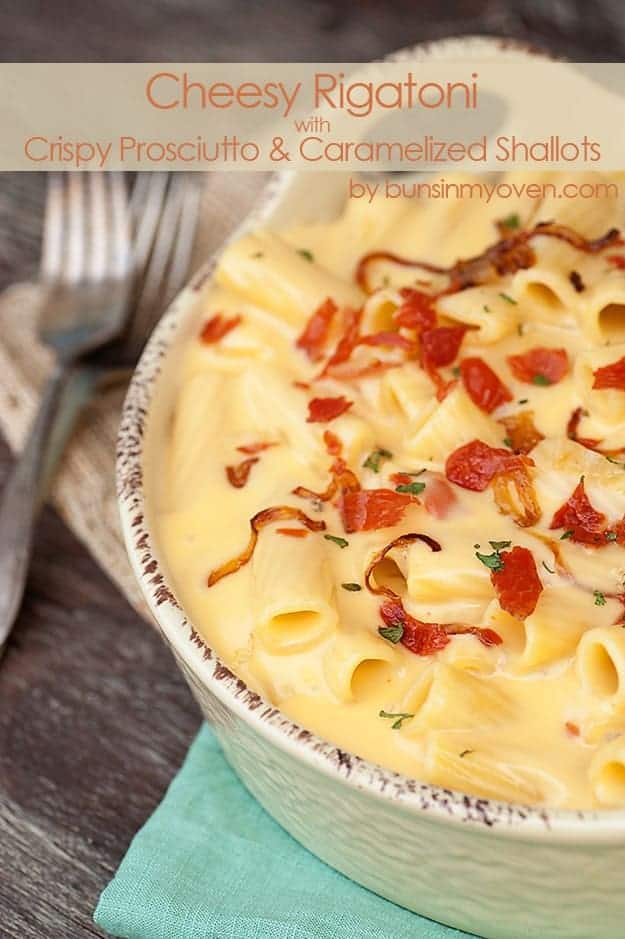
(183, 246)
(147, 202)
(119, 247)
(52, 244)
(75, 210)
(157, 275)
(96, 258)
(138, 195)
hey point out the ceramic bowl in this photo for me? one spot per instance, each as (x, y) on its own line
(495, 869)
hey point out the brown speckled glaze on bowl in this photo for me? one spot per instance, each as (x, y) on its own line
(498, 869)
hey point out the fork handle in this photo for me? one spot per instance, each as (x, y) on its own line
(63, 400)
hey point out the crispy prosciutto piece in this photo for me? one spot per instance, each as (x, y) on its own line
(333, 443)
(475, 464)
(258, 447)
(239, 474)
(313, 338)
(420, 638)
(578, 516)
(521, 431)
(416, 311)
(276, 513)
(321, 410)
(438, 497)
(483, 386)
(217, 327)
(517, 582)
(511, 253)
(440, 345)
(540, 365)
(427, 638)
(371, 509)
(388, 338)
(610, 376)
(401, 479)
(349, 371)
(443, 387)
(616, 260)
(347, 343)
(346, 480)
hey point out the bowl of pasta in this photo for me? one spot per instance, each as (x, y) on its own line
(372, 482)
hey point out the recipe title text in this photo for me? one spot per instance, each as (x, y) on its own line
(180, 90)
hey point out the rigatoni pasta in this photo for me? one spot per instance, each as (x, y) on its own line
(394, 494)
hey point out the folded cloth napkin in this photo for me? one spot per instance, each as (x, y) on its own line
(211, 864)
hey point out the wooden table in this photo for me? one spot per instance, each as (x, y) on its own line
(94, 717)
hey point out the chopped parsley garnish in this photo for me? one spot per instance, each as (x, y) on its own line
(508, 298)
(507, 443)
(567, 534)
(512, 221)
(393, 633)
(523, 400)
(398, 718)
(540, 379)
(465, 753)
(351, 586)
(375, 458)
(456, 371)
(486, 308)
(492, 561)
(305, 253)
(611, 536)
(600, 599)
(341, 542)
(547, 568)
(500, 545)
(413, 489)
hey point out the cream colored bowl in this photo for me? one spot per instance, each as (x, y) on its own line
(495, 869)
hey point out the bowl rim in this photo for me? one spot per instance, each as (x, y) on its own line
(418, 798)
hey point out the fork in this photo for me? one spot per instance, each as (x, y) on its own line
(129, 270)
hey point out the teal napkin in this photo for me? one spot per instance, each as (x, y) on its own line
(211, 864)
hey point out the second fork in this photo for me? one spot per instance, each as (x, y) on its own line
(151, 239)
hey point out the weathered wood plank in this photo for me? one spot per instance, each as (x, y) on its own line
(94, 721)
